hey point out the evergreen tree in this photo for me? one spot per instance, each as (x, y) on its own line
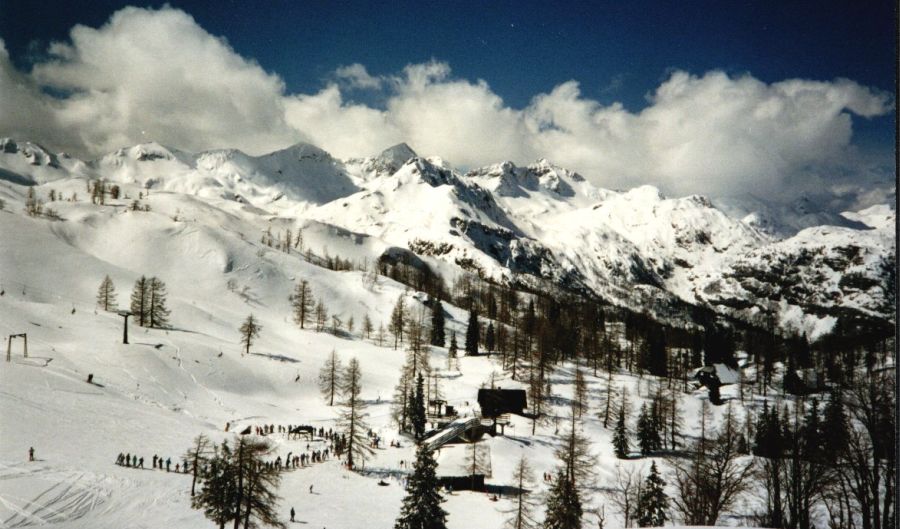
(648, 432)
(302, 303)
(563, 505)
(489, 337)
(417, 408)
(437, 323)
(654, 358)
(106, 295)
(218, 491)
(575, 455)
(321, 316)
(249, 330)
(620, 437)
(522, 516)
(472, 333)
(422, 505)
(198, 456)
(329, 377)
(353, 415)
(581, 401)
(255, 498)
(404, 393)
(158, 313)
(140, 301)
(398, 320)
(835, 425)
(452, 353)
(367, 326)
(653, 504)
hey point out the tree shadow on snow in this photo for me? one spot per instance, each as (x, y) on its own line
(280, 358)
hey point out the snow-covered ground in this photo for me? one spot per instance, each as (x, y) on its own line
(156, 394)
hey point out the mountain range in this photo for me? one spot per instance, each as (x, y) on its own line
(799, 267)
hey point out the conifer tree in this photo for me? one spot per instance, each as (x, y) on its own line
(353, 415)
(580, 393)
(452, 353)
(620, 437)
(329, 377)
(367, 326)
(404, 393)
(321, 316)
(140, 301)
(522, 516)
(398, 320)
(33, 205)
(198, 456)
(653, 504)
(255, 498)
(575, 455)
(158, 313)
(472, 333)
(417, 408)
(563, 505)
(106, 295)
(835, 424)
(437, 323)
(489, 337)
(422, 505)
(302, 303)
(648, 432)
(218, 490)
(249, 330)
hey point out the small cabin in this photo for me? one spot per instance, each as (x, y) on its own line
(454, 466)
(497, 402)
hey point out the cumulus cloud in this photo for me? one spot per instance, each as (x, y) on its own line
(156, 74)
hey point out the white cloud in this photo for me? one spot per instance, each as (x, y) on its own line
(356, 76)
(156, 74)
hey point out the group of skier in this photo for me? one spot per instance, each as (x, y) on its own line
(133, 461)
(296, 461)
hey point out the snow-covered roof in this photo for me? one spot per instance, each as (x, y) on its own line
(456, 460)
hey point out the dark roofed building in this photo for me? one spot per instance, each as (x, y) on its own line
(497, 402)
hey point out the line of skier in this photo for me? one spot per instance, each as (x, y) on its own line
(298, 461)
(133, 461)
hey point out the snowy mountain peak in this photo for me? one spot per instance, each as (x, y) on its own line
(300, 151)
(150, 152)
(397, 155)
(879, 216)
(34, 153)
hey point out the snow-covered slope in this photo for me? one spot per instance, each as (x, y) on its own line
(154, 395)
(514, 223)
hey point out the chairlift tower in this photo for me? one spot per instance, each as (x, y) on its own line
(125, 314)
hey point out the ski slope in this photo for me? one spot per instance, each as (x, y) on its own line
(156, 394)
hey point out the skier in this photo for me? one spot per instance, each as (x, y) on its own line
(154, 460)
(292, 514)
(310, 489)
(141, 462)
(31, 453)
(168, 464)
(127, 460)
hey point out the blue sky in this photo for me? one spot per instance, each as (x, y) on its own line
(618, 52)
